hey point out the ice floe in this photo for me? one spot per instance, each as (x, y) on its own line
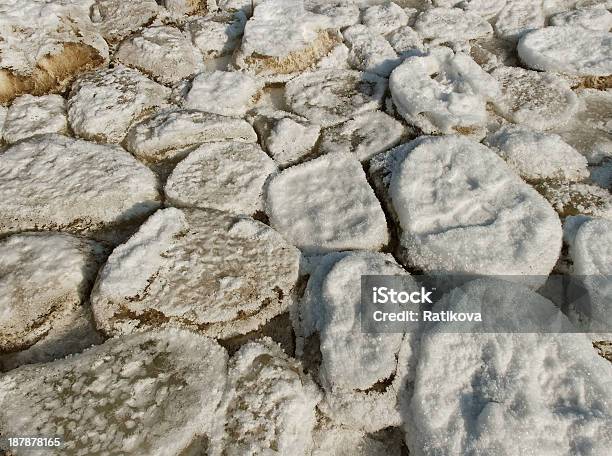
(30, 116)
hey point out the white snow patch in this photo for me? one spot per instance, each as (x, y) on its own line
(30, 115)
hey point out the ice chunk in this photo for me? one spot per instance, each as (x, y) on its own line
(485, 8)
(216, 35)
(44, 45)
(571, 50)
(370, 51)
(365, 136)
(30, 115)
(219, 274)
(166, 136)
(283, 38)
(589, 18)
(517, 393)
(538, 100)
(201, 7)
(443, 92)
(286, 137)
(223, 92)
(519, 17)
(340, 13)
(116, 19)
(270, 403)
(444, 25)
(326, 204)
(383, 19)
(462, 210)
(341, 441)
(163, 52)
(577, 198)
(228, 176)
(45, 279)
(153, 393)
(103, 104)
(602, 175)
(330, 97)
(49, 183)
(406, 42)
(537, 156)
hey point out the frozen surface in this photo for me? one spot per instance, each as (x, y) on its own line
(589, 18)
(49, 182)
(190, 6)
(270, 403)
(485, 8)
(385, 18)
(508, 394)
(577, 198)
(329, 97)
(344, 215)
(228, 176)
(461, 209)
(536, 155)
(406, 42)
(451, 25)
(44, 279)
(151, 393)
(365, 136)
(167, 134)
(116, 19)
(30, 115)
(241, 273)
(103, 104)
(340, 13)
(370, 51)
(571, 50)
(223, 92)
(537, 100)
(163, 52)
(519, 17)
(44, 45)
(443, 92)
(340, 441)
(216, 35)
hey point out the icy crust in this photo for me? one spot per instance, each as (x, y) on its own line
(510, 394)
(370, 51)
(270, 403)
(571, 50)
(443, 92)
(44, 280)
(577, 198)
(451, 25)
(228, 176)
(383, 19)
(462, 210)
(519, 17)
(168, 134)
(345, 214)
(223, 92)
(283, 38)
(591, 252)
(406, 42)
(216, 35)
(163, 52)
(329, 97)
(204, 269)
(340, 441)
(116, 19)
(484, 8)
(43, 45)
(340, 13)
(49, 182)
(538, 100)
(151, 393)
(190, 6)
(103, 104)
(537, 156)
(30, 115)
(365, 136)
(589, 18)
(286, 137)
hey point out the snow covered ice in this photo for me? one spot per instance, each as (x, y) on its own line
(29, 116)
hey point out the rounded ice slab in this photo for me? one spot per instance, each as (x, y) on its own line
(168, 134)
(537, 100)
(44, 45)
(462, 210)
(519, 17)
(30, 116)
(103, 104)
(152, 393)
(326, 204)
(589, 18)
(44, 280)
(216, 273)
(370, 51)
(270, 403)
(228, 176)
(163, 52)
(508, 394)
(443, 92)
(571, 50)
(351, 362)
(116, 19)
(330, 97)
(53, 182)
(484, 8)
